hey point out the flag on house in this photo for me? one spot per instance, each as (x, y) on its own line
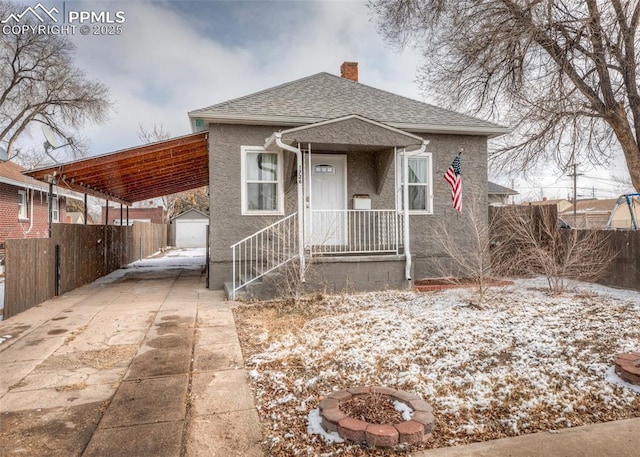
(454, 177)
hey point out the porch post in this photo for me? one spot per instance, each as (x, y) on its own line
(405, 208)
(299, 189)
(50, 205)
(308, 200)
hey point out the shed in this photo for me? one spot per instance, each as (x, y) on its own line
(189, 229)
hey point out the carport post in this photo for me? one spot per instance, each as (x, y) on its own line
(127, 216)
(50, 206)
(106, 213)
(85, 209)
(121, 215)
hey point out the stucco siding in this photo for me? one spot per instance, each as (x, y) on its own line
(425, 230)
(229, 226)
(351, 132)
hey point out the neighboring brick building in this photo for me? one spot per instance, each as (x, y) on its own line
(24, 210)
(155, 215)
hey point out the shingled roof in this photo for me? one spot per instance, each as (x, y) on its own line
(497, 189)
(325, 96)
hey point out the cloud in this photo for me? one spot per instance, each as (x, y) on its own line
(174, 57)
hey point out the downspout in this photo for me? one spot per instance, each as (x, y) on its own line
(298, 153)
(405, 206)
(32, 191)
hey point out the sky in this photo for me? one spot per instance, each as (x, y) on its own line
(176, 56)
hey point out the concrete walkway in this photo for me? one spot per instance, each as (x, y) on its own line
(608, 439)
(148, 365)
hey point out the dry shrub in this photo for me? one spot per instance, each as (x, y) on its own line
(529, 242)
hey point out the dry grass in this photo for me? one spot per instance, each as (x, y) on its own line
(528, 362)
(72, 387)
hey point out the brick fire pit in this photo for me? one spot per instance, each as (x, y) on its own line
(628, 367)
(416, 430)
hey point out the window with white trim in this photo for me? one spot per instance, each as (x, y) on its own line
(22, 205)
(262, 188)
(55, 209)
(420, 182)
(55, 213)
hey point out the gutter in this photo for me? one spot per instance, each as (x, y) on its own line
(278, 138)
(405, 206)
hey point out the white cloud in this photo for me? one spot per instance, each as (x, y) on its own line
(170, 61)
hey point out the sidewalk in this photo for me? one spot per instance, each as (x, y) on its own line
(149, 365)
(609, 439)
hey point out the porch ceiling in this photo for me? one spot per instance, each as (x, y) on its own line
(139, 173)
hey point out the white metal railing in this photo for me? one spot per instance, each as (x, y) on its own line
(354, 231)
(264, 251)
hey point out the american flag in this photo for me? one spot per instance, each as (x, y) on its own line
(454, 177)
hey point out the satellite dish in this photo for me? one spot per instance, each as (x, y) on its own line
(4, 156)
(50, 136)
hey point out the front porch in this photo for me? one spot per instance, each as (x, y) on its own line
(344, 176)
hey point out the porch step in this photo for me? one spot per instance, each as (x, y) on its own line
(260, 289)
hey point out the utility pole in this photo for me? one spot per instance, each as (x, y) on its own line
(575, 175)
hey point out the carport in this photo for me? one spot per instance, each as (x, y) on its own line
(74, 255)
(136, 174)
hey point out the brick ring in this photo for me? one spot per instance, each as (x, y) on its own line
(416, 430)
(628, 367)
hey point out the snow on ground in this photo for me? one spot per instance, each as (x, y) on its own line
(174, 258)
(527, 362)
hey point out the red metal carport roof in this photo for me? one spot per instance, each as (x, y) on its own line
(138, 173)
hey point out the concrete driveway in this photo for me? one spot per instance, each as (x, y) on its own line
(144, 362)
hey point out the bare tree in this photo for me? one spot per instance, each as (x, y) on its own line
(529, 242)
(39, 83)
(563, 73)
(155, 132)
(469, 259)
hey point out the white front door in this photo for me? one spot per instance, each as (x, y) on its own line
(327, 199)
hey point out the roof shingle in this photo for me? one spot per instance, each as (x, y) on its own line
(324, 96)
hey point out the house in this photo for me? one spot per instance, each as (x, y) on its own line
(189, 229)
(111, 215)
(560, 204)
(24, 207)
(594, 214)
(338, 178)
(499, 195)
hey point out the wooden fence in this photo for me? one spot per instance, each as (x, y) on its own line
(624, 269)
(41, 268)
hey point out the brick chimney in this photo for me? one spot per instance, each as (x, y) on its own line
(349, 70)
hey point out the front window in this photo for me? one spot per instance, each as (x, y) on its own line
(420, 179)
(22, 205)
(261, 181)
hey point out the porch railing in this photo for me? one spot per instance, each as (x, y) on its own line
(355, 231)
(264, 251)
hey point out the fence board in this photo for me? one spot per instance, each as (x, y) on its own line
(87, 252)
(624, 270)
